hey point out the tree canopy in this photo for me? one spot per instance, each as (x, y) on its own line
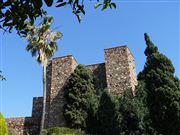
(15, 13)
(163, 90)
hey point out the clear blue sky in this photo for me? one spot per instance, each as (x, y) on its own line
(86, 41)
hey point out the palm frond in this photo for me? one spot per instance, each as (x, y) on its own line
(43, 38)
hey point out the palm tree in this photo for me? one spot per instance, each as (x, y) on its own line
(1, 76)
(42, 45)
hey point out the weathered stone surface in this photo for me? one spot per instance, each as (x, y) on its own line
(100, 75)
(120, 70)
(37, 107)
(24, 125)
(60, 70)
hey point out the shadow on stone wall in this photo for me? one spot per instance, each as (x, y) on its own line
(31, 126)
(56, 113)
(48, 92)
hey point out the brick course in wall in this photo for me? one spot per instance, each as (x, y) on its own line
(117, 73)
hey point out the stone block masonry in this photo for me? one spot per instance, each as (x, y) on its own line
(28, 125)
(120, 70)
(37, 107)
(117, 73)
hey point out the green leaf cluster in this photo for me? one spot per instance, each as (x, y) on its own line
(3, 127)
(61, 131)
(42, 40)
(15, 13)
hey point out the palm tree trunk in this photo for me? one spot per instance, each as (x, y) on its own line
(44, 97)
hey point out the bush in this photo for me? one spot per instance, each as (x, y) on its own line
(3, 127)
(61, 131)
(44, 132)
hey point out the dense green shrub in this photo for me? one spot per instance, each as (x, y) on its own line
(61, 131)
(44, 132)
(3, 127)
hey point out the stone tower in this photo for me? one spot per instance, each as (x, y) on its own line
(120, 70)
(117, 74)
(58, 72)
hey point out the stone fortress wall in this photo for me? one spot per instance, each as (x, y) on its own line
(31, 125)
(117, 73)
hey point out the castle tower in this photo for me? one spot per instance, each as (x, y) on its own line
(58, 72)
(120, 70)
(117, 73)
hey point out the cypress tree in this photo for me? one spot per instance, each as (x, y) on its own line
(108, 116)
(79, 92)
(163, 90)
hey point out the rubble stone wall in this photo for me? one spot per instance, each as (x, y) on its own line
(24, 125)
(132, 71)
(119, 63)
(37, 107)
(61, 69)
(100, 75)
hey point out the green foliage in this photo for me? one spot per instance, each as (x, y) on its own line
(43, 132)
(42, 41)
(141, 97)
(133, 112)
(15, 13)
(162, 89)
(91, 121)
(3, 127)
(61, 131)
(108, 116)
(79, 92)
